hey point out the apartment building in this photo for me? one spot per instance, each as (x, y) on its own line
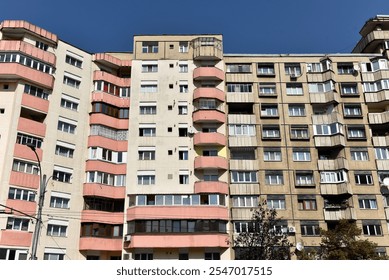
(162, 152)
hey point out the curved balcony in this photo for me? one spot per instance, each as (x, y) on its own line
(324, 97)
(336, 214)
(100, 244)
(211, 138)
(28, 207)
(207, 115)
(24, 152)
(108, 167)
(32, 127)
(211, 187)
(336, 189)
(208, 74)
(329, 141)
(177, 240)
(332, 164)
(110, 144)
(100, 190)
(98, 118)
(177, 212)
(205, 162)
(381, 97)
(104, 76)
(379, 118)
(111, 61)
(12, 25)
(370, 41)
(209, 93)
(15, 238)
(17, 71)
(30, 181)
(111, 99)
(112, 218)
(36, 103)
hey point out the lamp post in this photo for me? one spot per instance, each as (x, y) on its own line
(42, 191)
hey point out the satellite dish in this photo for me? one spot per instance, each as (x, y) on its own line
(299, 246)
(385, 181)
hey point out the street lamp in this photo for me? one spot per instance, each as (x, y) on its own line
(42, 191)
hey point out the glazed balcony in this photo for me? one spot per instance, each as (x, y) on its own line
(178, 240)
(319, 77)
(10, 26)
(14, 70)
(327, 118)
(337, 213)
(336, 189)
(111, 99)
(112, 218)
(206, 162)
(104, 76)
(104, 166)
(21, 179)
(330, 141)
(35, 103)
(382, 164)
(32, 127)
(22, 206)
(242, 141)
(208, 74)
(332, 164)
(177, 212)
(244, 164)
(110, 144)
(324, 97)
(15, 238)
(211, 187)
(379, 118)
(25, 152)
(100, 244)
(381, 97)
(211, 138)
(111, 61)
(209, 116)
(102, 119)
(380, 141)
(241, 213)
(100, 190)
(209, 93)
(206, 48)
(381, 74)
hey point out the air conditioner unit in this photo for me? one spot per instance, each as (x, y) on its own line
(291, 229)
(127, 238)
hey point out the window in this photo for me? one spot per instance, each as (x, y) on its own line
(60, 200)
(276, 202)
(269, 110)
(293, 69)
(183, 47)
(244, 201)
(270, 132)
(57, 228)
(183, 67)
(17, 224)
(149, 47)
(352, 110)
(309, 228)
(294, 89)
(356, 132)
(345, 68)
(183, 179)
(182, 131)
(27, 61)
(367, 202)
(183, 155)
(149, 67)
(69, 102)
(21, 194)
(66, 125)
(321, 66)
(211, 175)
(348, 89)
(64, 149)
(272, 154)
(62, 174)
(321, 87)
(113, 89)
(147, 109)
(143, 256)
(267, 89)
(239, 87)
(98, 153)
(363, 178)
(210, 152)
(41, 45)
(238, 68)
(212, 256)
(296, 110)
(381, 153)
(301, 154)
(146, 153)
(334, 177)
(148, 86)
(242, 153)
(327, 129)
(35, 91)
(106, 178)
(243, 226)
(206, 104)
(374, 65)
(306, 202)
(109, 110)
(274, 177)
(182, 109)
(54, 254)
(299, 132)
(25, 167)
(360, 154)
(241, 129)
(304, 178)
(244, 177)
(13, 254)
(183, 87)
(74, 59)
(147, 130)
(371, 228)
(71, 80)
(265, 69)
(178, 200)
(25, 139)
(146, 179)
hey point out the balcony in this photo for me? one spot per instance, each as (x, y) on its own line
(101, 190)
(14, 70)
(327, 118)
(108, 167)
(25, 152)
(35, 103)
(98, 118)
(15, 238)
(20, 179)
(110, 144)
(23, 206)
(379, 118)
(329, 141)
(212, 138)
(209, 93)
(332, 164)
(111, 61)
(9, 26)
(324, 97)
(336, 189)
(177, 240)
(242, 141)
(100, 244)
(209, 116)
(90, 216)
(177, 212)
(210, 187)
(246, 164)
(381, 97)
(104, 76)
(207, 48)
(206, 162)
(32, 127)
(382, 164)
(370, 41)
(319, 77)
(337, 213)
(208, 74)
(28, 49)
(381, 74)
(380, 141)
(242, 213)
(111, 99)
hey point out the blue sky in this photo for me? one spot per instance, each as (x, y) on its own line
(247, 26)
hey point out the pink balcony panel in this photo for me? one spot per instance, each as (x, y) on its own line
(192, 240)
(111, 99)
(208, 73)
(99, 141)
(101, 244)
(209, 93)
(103, 57)
(212, 138)
(97, 118)
(17, 71)
(21, 179)
(14, 24)
(33, 127)
(113, 218)
(27, 207)
(24, 152)
(35, 103)
(211, 187)
(26, 48)
(121, 82)
(177, 212)
(104, 191)
(209, 116)
(203, 162)
(15, 238)
(112, 168)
